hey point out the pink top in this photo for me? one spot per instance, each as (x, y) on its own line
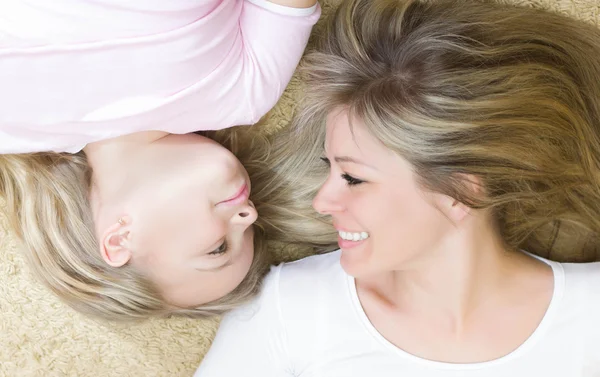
(74, 72)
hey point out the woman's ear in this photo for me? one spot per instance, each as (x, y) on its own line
(455, 210)
(452, 209)
(115, 244)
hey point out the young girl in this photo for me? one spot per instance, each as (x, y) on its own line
(460, 136)
(121, 212)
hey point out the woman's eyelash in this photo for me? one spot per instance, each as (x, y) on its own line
(220, 250)
(351, 180)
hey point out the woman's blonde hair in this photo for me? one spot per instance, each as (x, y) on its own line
(47, 205)
(510, 95)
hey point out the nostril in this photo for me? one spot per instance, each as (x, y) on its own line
(244, 214)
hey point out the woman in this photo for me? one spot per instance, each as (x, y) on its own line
(122, 214)
(457, 134)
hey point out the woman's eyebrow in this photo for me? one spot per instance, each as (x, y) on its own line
(348, 159)
(352, 160)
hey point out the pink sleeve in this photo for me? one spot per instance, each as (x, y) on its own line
(273, 47)
(260, 64)
(217, 65)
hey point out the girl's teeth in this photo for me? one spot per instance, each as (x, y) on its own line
(353, 236)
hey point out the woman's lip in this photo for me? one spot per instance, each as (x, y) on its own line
(345, 244)
(241, 196)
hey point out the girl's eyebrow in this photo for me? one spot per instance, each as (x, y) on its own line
(215, 269)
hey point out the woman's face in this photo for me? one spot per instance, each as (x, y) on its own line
(383, 218)
(192, 220)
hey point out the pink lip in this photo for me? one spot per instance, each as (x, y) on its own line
(241, 196)
(345, 244)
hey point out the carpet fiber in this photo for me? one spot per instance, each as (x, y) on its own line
(39, 336)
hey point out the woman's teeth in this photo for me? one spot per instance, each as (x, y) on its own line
(353, 236)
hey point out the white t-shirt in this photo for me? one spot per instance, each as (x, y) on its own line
(308, 321)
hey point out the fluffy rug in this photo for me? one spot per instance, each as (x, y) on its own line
(39, 336)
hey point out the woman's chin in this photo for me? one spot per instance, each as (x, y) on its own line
(355, 260)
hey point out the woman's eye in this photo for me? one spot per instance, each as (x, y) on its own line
(220, 250)
(351, 180)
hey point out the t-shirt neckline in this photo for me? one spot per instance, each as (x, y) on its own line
(538, 333)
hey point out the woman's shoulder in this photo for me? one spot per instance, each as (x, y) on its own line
(303, 282)
(300, 280)
(582, 301)
(292, 290)
(584, 277)
(581, 292)
(576, 279)
(312, 266)
(270, 332)
(576, 290)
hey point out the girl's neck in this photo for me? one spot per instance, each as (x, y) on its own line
(111, 160)
(115, 163)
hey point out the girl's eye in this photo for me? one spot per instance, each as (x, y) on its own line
(220, 250)
(351, 180)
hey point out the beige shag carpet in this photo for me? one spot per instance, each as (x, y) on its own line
(39, 336)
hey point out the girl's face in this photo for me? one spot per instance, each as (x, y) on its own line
(190, 228)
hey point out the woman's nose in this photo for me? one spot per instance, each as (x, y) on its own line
(327, 200)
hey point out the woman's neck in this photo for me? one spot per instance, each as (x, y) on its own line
(469, 271)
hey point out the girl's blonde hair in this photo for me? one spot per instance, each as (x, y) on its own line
(47, 206)
(510, 95)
